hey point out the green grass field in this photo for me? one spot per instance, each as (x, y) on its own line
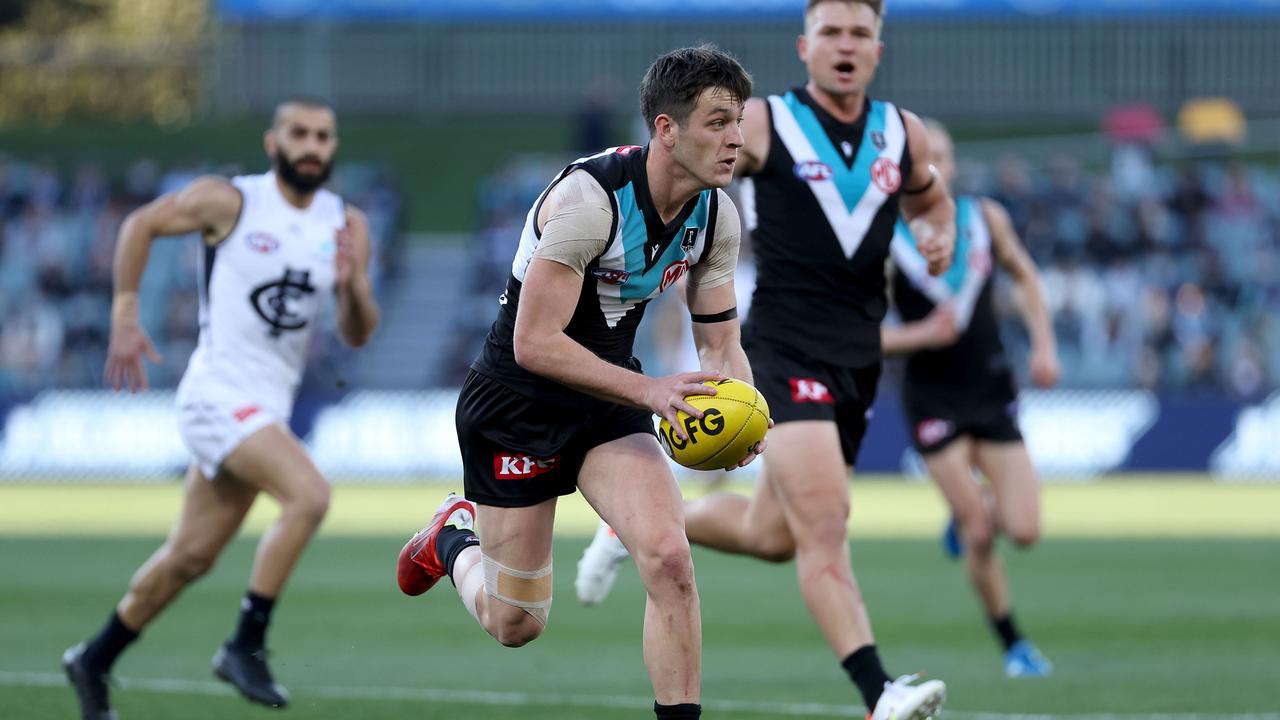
(1153, 598)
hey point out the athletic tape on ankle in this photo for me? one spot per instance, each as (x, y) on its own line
(529, 591)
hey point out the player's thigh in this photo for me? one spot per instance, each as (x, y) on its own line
(273, 460)
(629, 483)
(805, 466)
(212, 511)
(517, 537)
(515, 545)
(951, 467)
(1015, 485)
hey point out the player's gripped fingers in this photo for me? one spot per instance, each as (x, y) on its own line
(687, 409)
(700, 377)
(672, 419)
(694, 390)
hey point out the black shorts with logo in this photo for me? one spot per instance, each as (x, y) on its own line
(803, 388)
(518, 451)
(936, 418)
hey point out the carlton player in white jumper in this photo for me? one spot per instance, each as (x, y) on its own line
(275, 246)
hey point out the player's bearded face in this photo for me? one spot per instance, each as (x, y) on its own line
(304, 173)
(707, 144)
(841, 47)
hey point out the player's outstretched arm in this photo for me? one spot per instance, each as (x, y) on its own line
(1013, 257)
(210, 205)
(358, 312)
(926, 202)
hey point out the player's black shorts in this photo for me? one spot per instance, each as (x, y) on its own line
(935, 421)
(518, 451)
(803, 388)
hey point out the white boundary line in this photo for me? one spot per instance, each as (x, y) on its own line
(487, 697)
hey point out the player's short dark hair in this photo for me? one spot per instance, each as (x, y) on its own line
(877, 6)
(675, 81)
(304, 100)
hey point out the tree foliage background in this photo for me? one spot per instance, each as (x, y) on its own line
(100, 59)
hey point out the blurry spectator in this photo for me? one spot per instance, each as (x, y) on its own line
(56, 245)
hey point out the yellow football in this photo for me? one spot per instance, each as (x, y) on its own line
(734, 422)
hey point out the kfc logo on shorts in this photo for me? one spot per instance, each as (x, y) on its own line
(886, 175)
(246, 412)
(518, 466)
(262, 242)
(610, 276)
(808, 390)
(934, 431)
(672, 273)
(812, 171)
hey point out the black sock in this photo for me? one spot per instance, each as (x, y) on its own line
(1007, 630)
(683, 711)
(450, 543)
(867, 673)
(100, 653)
(255, 613)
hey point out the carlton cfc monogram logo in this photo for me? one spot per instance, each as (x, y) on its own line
(273, 300)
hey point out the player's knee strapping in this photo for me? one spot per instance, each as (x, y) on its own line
(528, 590)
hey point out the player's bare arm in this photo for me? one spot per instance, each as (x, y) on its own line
(1013, 257)
(357, 310)
(209, 205)
(926, 202)
(713, 302)
(755, 137)
(576, 218)
(935, 330)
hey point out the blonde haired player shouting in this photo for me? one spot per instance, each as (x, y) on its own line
(275, 246)
(556, 401)
(832, 170)
(959, 394)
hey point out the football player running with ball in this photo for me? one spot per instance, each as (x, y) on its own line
(275, 246)
(832, 171)
(556, 400)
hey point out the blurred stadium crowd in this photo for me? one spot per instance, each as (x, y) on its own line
(1163, 277)
(1160, 276)
(57, 235)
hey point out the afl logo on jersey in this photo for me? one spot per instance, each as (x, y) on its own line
(672, 273)
(262, 242)
(610, 276)
(812, 171)
(886, 175)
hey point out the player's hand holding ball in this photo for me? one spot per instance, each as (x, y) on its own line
(726, 429)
